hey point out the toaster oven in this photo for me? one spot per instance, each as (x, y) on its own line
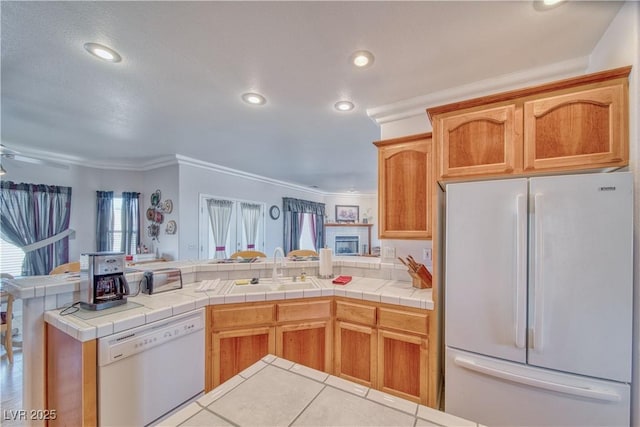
(161, 280)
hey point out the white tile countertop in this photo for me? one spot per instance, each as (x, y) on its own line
(197, 270)
(85, 325)
(44, 296)
(278, 392)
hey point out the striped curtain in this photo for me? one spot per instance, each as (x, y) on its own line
(104, 221)
(31, 213)
(130, 220)
(291, 210)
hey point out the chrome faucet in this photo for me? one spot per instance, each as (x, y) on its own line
(276, 276)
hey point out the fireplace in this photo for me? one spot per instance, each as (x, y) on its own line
(347, 245)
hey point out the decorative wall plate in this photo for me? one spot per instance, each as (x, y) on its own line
(151, 214)
(171, 227)
(153, 230)
(168, 206)
(155, 198)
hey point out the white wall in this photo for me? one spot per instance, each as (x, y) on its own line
(195, 180)
(84, 183)
(618, 47)
(408, 126)
(182, 183)
(164, 179)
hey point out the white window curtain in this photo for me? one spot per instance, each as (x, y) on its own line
(250, 220)
(220, 217)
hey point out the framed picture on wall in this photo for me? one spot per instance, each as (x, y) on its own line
(347, 213)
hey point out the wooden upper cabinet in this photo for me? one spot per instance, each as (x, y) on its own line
(405, 181)
(587, 127)
(487, 141)
(571, 124)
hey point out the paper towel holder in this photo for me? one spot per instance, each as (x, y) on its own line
(321, 267)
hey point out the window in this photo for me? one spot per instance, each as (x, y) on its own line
(116, 233)
(11, 259)
(236, 234)
(118, 222)
(306, 234)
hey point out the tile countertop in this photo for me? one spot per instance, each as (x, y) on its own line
(276, 392)
(192, 270)
(143, 309)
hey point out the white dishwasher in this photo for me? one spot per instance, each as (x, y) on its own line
(146, 372)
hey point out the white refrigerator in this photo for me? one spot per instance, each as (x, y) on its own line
(538, 300)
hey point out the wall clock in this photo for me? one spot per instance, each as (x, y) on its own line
(274, 212)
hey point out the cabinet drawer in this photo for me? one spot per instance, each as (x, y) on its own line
(305, 310)
(231, 317)
(356, 313)
(402, 320)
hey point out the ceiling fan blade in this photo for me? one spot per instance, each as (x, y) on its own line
(32, 160)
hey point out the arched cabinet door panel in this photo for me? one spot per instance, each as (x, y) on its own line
(405, 185)
(587, 127)
(487, 141)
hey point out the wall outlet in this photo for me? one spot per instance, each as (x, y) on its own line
(389, 252)
(426, 254)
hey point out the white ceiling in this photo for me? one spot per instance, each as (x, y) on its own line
(185, 65)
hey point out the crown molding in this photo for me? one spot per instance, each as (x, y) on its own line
(160, 162)
(417, 106)
(188, 161)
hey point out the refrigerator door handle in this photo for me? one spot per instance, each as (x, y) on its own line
(521, 270)
(603, 395)
(538, 306)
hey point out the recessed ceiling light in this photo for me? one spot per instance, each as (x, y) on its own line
(254, 98)
(344, 106)
(362, 58)
(103, 52)
(542, 5)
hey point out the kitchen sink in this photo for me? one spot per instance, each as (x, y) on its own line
(268, 285)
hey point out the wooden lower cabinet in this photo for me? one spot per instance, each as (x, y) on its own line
(380, 346)
(403, 361)
(236, 350)
(356, 353)
(239, 335)
(308, 344)
(304, 333)
(383, 347)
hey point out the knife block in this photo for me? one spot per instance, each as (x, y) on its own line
(417, 281)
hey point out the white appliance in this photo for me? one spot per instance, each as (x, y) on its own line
(148, 372)
(538, 300)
